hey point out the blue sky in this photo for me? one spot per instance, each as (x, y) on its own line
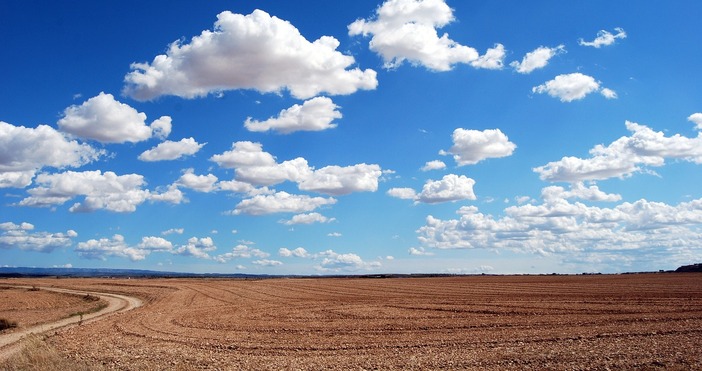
(351, 137)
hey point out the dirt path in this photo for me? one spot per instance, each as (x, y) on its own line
(9, 343)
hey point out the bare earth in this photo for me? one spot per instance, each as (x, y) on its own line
(29, 306)
(641, 321)
(38, 310)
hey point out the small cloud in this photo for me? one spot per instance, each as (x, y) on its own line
(309, 218)
(696, 118)
(316, 114)
(173, 231)
(604, 38)
(267, 263)
(608, 93)
(419, 251)
(574, 86)
(472, 146)
(334, 234)
(299, 252)
(537, 59)
(450, 188)
(434, 165)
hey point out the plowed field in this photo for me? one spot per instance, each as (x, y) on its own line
(31, 306)
(478, 322)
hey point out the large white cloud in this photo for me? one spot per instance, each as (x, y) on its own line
(197, 247)
(23, 151)
(604, 38)
(103, 248)
(254, 166)
(281, 202)
(116, 246)
(406, 30)
(579, 191)
(106, 120)
(573, 86)
(21, 236)
(558, 225)
(472, 146)
(244, 154)
(625, 156)
(537, 58)
(315, 114)
(254, 51)
(170, 150)
(108, 191)
(200, 183)
(450, 188)
(337, 180)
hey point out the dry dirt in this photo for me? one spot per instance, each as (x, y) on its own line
(637, 321)
(31, 306)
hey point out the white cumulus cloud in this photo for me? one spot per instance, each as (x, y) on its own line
(21, 236)
(403, 193)
(573, 86)
(493, 59)
(604, 38)
(334, 262)
(108, 191)
(281, 202)
(537, 58)
(241, 251)
(308, 218)
(316, 114)
(197, 247)
(451, 187)
(406, 30)
(267, 262)
(654, 229)
(24, 151)
(105, 247)
(696, 118)
(625, 156)
(106, 120)
(419, 251)
(200, 183)
(255, 51)
(257, 167)
(434, 165)
(337, 180)
(170, 150)
(299, 252)
(472, 146)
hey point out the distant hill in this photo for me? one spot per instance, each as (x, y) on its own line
(690, 268)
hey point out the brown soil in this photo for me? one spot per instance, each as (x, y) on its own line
(31, 306)
(640, 321)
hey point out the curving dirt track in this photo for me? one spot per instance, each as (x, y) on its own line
(114, 303)
(644, 321)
